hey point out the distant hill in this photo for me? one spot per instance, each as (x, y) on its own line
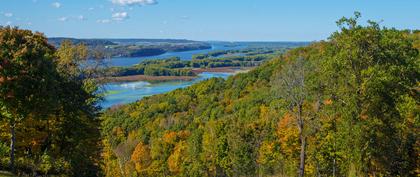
(136, 41)
(134, 47)
(56, 41)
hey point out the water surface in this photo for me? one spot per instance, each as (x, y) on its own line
(128, 92)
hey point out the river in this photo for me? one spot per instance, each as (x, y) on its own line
(187, 55)
(128, 92)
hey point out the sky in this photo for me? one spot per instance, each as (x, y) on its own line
(222, 20)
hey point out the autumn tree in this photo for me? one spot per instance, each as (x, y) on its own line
(290, 85)
(49, 104)
(27, 75)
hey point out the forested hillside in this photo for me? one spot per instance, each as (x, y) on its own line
(347, 106)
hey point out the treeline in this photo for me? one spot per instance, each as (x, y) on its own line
(48, 107)
(348, 106)
(167, 67)
(240, 52)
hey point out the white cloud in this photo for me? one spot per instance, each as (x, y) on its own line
(119, 16)
(134, 2)
(103, 21)
(8, 14)
(8, 23)
(63, 19)
(91, 8)
(56, 4)
(81, 17)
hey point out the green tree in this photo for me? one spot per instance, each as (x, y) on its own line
(26, 77)
(367, 70)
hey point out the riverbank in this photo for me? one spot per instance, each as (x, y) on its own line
(135, 78)
(222, 70)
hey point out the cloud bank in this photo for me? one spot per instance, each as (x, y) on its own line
(134, 2)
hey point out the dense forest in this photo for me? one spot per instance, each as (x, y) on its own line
(347, 106)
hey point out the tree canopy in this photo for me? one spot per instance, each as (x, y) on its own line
(48, 111)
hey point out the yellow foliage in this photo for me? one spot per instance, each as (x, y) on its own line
(264, 112)
(118, 131)
(267, 153)
(288, 135)
(184, 134)
(176, 158)
(110, 167)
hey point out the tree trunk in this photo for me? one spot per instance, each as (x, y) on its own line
(302, 142)
(12, 145)
(302, 157)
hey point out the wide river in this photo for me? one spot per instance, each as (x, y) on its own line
(187, 55)
(128, 92)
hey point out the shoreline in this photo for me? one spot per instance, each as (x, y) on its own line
(135, 78)
(222, 70)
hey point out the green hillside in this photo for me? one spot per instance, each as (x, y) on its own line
(348, 106)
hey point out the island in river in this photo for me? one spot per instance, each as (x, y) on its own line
(197, 71)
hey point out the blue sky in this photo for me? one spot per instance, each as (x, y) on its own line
(227, 20)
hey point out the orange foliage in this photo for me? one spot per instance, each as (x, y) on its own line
(141, 157)
(170, 137)
(328, 102)
(288, 135)
(176, 158)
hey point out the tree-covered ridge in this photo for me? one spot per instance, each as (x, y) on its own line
(132, 47)
(348, 106)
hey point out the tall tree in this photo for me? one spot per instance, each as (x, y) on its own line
(290, 85)
(78, 100)
(26, 76)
